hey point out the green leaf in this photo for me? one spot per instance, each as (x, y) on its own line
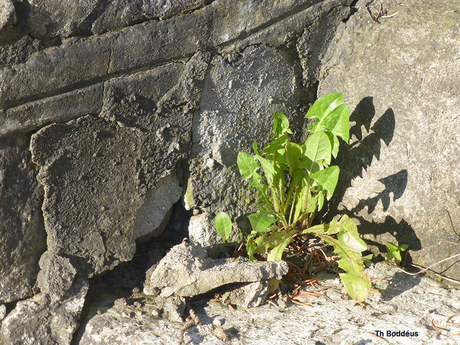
(223, 225)
(293, 157)
(337, 122)
(247, 165)
(269, 169)
(354, 243)
(394, 252)
(282, 241)
(261, 221)
(310, 166)
(331, 228)
(349, 235)
(356, 281)
(250, 246)
(276, 148)
(318, 147)
(280, 125)
(322, 108)
(335, 144)
(320, 201)
(327, 179)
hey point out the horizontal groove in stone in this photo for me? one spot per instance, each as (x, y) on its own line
(60, 108)
(81, 63)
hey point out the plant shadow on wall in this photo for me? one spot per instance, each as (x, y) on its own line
(355, 158)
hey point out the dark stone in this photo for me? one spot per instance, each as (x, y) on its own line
(22, 234)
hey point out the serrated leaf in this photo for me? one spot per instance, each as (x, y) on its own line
(356, 281)
(282, 241)
(349, 235)
(331, 228)
(223, 225)
(261, 221)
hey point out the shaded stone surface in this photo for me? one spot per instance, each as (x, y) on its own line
(222, 26)
(22, 234)
(400, 173)
(48, 18)
(56, 276)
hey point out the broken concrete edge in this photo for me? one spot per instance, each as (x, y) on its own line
(188, 271)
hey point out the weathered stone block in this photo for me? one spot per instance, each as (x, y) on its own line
(99, 173)
(42, 320)
(188, 271)
(56, 276)
(8, 18)
(120, 13)
(88, 168)
(22, 234)
(55, 70)
(49, 18)
(60, 108)
(154, 213)
(239, 100)
(399, 176)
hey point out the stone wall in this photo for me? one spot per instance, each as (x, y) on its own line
(111, 112)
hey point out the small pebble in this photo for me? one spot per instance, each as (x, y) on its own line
(156, 313)
(217, 322)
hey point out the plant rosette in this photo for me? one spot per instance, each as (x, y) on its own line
(292, 182)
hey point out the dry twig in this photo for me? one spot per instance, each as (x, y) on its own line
(375, 20)
(438, 329)
(301, 303)
(312, 334)
(390, 16)
(429, 267)
(452, 316)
